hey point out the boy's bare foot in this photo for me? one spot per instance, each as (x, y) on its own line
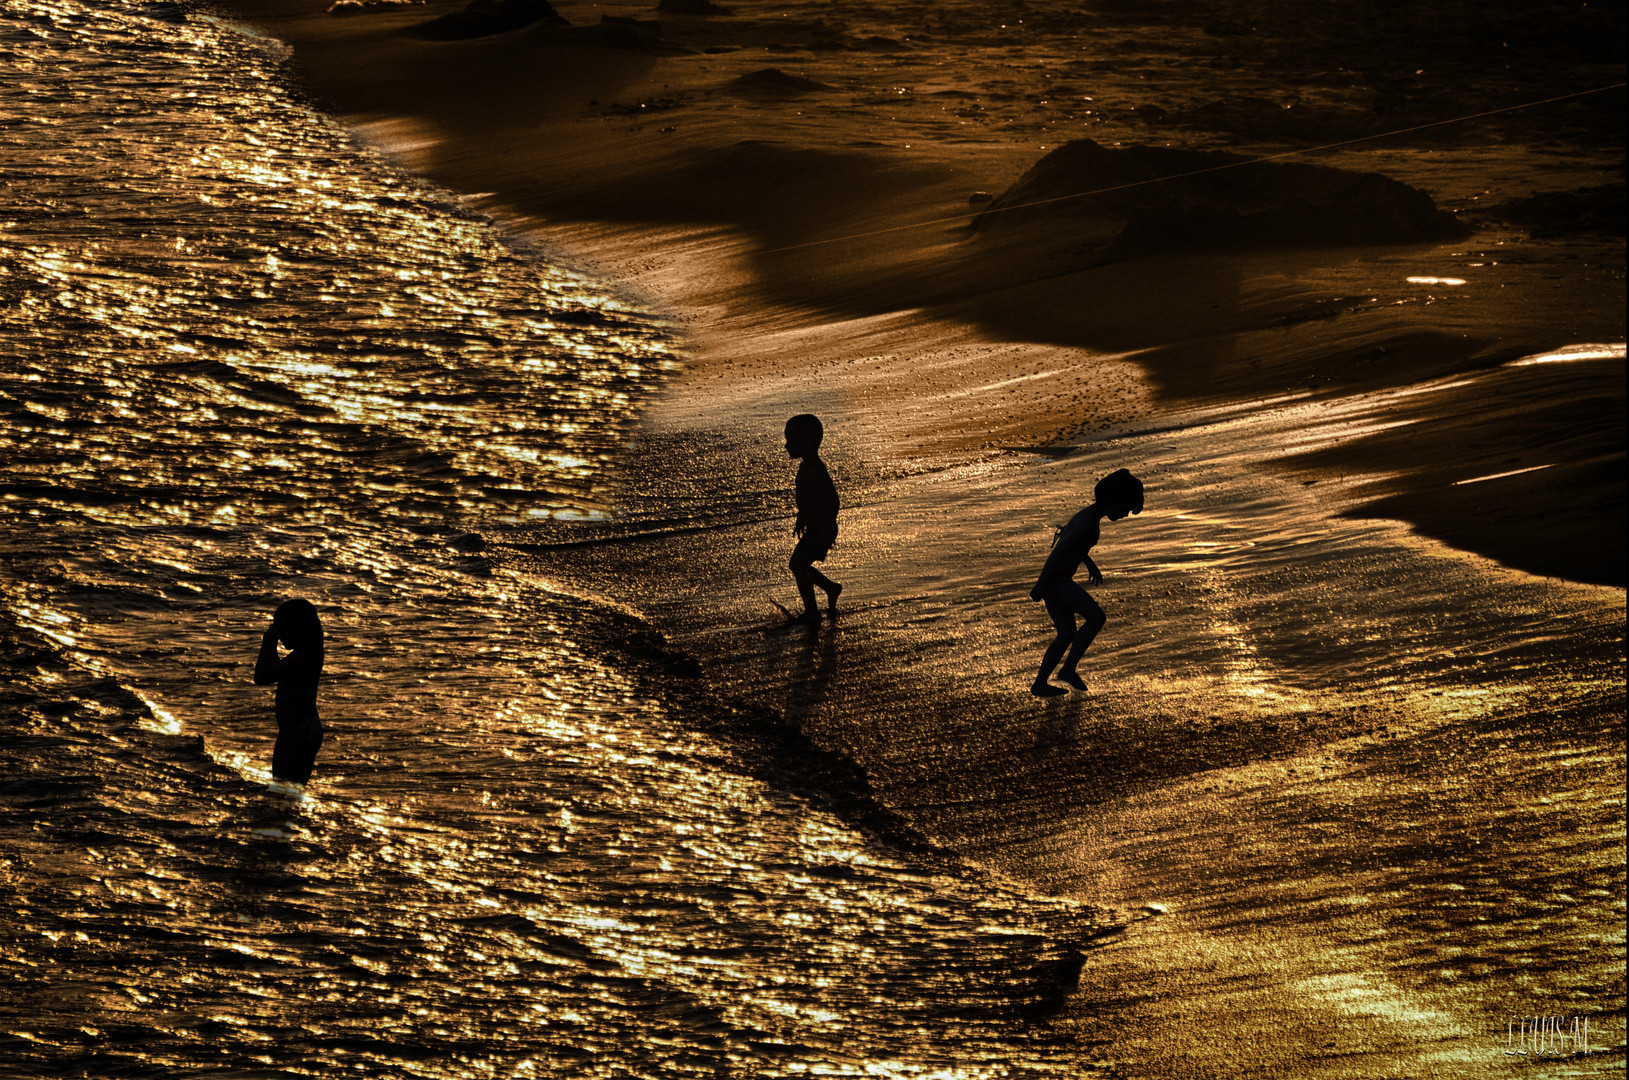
(808, 618)
(1046, 689)
(1072, 679)
(831, 599)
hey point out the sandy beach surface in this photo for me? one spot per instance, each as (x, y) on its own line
(1350, 771)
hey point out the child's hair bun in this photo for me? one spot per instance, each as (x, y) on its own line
(1120, 486)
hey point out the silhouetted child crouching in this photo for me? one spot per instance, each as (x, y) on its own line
(1116, 495)
(816, 527)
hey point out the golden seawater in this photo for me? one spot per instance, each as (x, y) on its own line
(245, 358)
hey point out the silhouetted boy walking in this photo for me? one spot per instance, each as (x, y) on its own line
(816, 527)
(1116, 495)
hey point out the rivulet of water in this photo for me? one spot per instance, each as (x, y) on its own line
(244, 358)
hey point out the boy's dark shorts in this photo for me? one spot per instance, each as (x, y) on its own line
(815, 544)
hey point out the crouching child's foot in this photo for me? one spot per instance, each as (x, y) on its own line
(1072, 679)
(1042, 688)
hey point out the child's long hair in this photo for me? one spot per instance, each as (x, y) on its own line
(300, 626)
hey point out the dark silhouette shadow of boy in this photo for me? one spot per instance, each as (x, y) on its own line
(813, 667)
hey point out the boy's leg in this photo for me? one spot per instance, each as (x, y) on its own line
(804, 576)
(814, 547)
(827, 585)
(803, 572)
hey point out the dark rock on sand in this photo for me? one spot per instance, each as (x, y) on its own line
(483, 18)
(1566, 213)
(775, 81)
(1145, 200)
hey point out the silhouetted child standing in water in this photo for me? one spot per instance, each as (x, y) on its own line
(299, 729)
(1116, 495)
(816, 527)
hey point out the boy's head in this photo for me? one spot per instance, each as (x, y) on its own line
(1119, 494)
(803, 435)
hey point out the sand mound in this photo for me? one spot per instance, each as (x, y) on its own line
(775, 81)
(483, 18)
(1144, 200)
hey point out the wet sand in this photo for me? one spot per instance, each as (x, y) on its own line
(1351, 768)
